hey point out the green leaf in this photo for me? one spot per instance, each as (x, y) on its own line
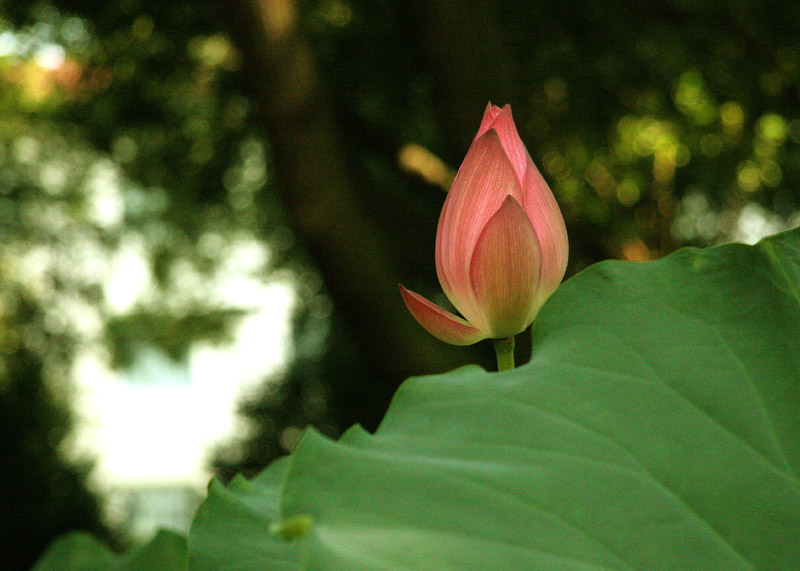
(232, 528)
(165, 552)
(656, 428)
(79, 551)
(76, 551)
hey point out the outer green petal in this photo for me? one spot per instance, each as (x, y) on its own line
(439, 322)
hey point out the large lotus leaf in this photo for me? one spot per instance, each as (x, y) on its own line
(167, 551)
(79, 551)
(656, 428)
(231, 531)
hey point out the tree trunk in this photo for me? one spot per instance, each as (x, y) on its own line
(317, 192)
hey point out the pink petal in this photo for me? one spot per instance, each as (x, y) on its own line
(439, 322)
(503, 123)
(504, 270)
(538, 200)
(484, 180)
(488, 118)
(542, 209)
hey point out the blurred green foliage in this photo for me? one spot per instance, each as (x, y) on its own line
(657, 124)
(79, 551)
(42, 496)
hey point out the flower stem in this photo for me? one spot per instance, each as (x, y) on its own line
(505, 353)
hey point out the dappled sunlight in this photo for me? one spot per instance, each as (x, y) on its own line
(422, 162)
(157, 422)
(110, 278)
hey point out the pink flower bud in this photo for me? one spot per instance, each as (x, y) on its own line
(501, 245)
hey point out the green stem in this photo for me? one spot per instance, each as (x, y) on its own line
(505, 353)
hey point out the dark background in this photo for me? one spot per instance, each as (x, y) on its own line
(330, 130)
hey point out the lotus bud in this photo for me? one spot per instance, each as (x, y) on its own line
(501, 244)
